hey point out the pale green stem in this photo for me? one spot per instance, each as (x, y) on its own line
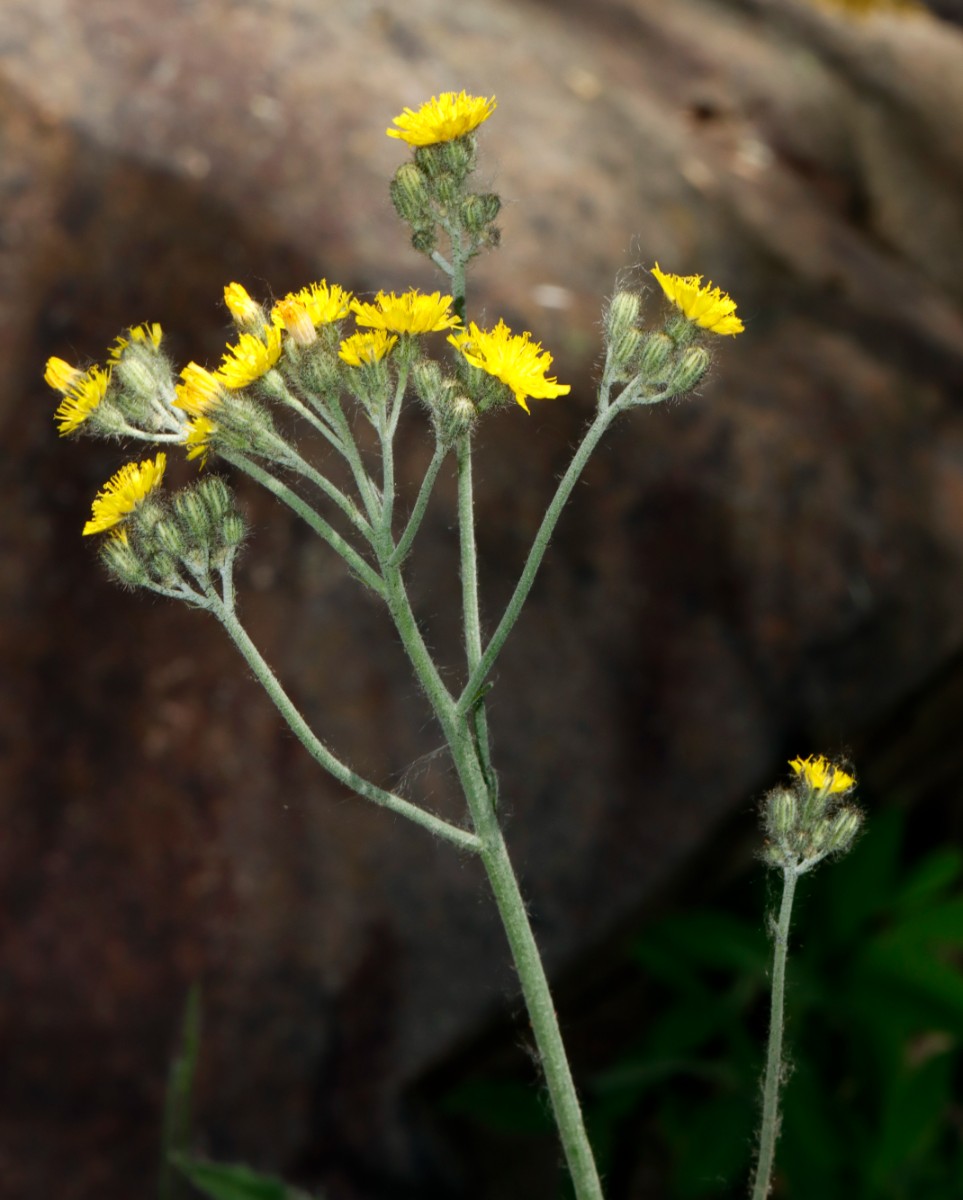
(364, 572)
(469, 591)
(363, 481)
(592, 437)
(284, 394)
(291, 458)
(769, 1130)
(400, 552)
(316, 748)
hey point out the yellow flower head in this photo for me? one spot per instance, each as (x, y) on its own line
(323, 302)
(364, 349)
(251, 358)
(83, 393)
(198, 391)
(411, 313)
(821, 775)
(707, 306)
(442, 119)
(124, 493)
(518, 362)
(143, 334)
(242, 308)
(60, 375)
(200, 430)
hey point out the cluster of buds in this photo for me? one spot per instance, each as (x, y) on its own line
(430, 191)
(452, 413)
(170, 545)
(811, 818)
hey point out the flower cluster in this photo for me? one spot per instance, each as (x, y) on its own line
(811, 818)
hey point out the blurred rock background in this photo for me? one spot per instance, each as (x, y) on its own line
(773, 567)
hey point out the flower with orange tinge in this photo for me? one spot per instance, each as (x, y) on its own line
(413, 312)
(199, 390)
(124, 493)
(366, 349)
(705, 305)
(521, 364)
(323, 303)
(251, 358)
(442, 119)
(822, 775)
(83, 393)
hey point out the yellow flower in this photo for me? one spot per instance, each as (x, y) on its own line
(242, 308)
(821, 775)
(411, 313)
(60, 375)
(251, 358)
(364, 349)
(442, 119)
(124, 493)
(200, 430)
(138, 333)
(707, 306)
(518, 362)
(198, 391)
(323, 302)
(83, 393)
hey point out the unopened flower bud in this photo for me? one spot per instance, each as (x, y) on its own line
(193, 515)
(233, 528)
(424, 240)
(121, 560)
(216, 496)
(781, 812)
(409, 194)
(457, 418)
(459, 156)
(655, 356)
(247, 313)
(447, 190)
(479, 211)
(623, 336)
(691, 367)
(841, 830)
(169, 535)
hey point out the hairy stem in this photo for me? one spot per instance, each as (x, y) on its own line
(769, 1129)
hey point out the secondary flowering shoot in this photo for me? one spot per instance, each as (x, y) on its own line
(83, 393)
(706, 306)
(521, 364)
(442, 119)
(412, 312)
(811, 818)
(124, 493)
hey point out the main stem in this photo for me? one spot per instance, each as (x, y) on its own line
(769, 1130)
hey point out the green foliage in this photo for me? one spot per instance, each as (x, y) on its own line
(177, 1104)
(223, 1182)
(875, 1024)
(874, 1037)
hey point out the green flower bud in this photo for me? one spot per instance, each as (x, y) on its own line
(428, 383)
(781, 813)
(841, 829)
(409, 194)
(479, 211)
(193, 515)
(430, 161)
(456, 419)
(458, 156)
(424, 240)
(122, 561)
(655, 356)
(233, 529)
(623, 337)
(169, 535)
(447, 191)
(216, 496)
(691, 367)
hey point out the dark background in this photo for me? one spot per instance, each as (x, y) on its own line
(771, 568)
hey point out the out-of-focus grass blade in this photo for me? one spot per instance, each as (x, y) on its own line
(177, 1104)
(222, 1182)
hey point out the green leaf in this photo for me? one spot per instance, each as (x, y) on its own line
(176, 1129)
(222, 1182)
(916, 1108)
(937, 872)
